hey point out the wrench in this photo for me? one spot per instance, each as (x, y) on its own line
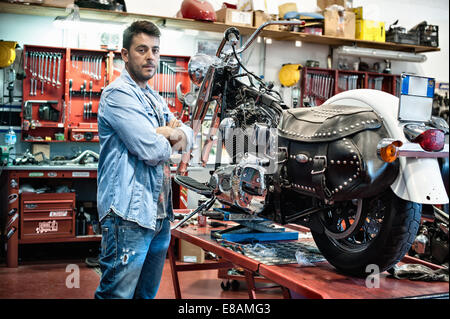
(49, 75)
(45, 67)
(31, 86)
(31, 63)
(41, 65)
(99, 68)
(59, 64)
(54, 70)
(35, 87)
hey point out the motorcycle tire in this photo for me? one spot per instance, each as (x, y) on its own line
(396, 234)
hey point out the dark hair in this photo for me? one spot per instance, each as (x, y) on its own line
(137, 27)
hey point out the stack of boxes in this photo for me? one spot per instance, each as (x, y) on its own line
(247, 13)
(340, 20)
(368, 30)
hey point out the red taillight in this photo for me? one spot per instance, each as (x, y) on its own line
(431, 140)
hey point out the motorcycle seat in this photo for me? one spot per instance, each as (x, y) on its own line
(326, 123)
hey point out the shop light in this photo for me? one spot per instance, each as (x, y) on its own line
(268, 40)
(382, 54)
(298, 44)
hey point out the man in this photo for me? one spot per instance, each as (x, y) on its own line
(137, 133)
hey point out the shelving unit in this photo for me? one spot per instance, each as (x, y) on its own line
(320, 84)
(179, 23)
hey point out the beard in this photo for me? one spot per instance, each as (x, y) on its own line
(139, 73)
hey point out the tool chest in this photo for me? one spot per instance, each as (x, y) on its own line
(47, 215)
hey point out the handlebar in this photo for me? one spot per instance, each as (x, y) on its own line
(230, 32)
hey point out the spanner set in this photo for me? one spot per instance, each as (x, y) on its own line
(61, 92)
(319, 84)
(63, 86)
(44, 68)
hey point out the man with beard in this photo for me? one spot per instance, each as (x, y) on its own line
(137, 136)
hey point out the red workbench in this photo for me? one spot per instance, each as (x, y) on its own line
(320, 281)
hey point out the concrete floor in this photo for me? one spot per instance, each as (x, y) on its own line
(47, 280)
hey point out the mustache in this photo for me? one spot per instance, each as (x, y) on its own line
(150, 64)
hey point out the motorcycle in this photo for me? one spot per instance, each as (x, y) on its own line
(350, 170)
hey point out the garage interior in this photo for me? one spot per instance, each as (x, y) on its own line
(57, 58)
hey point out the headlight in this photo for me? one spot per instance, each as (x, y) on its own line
(198, 66)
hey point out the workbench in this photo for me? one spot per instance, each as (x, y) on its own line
(320, 281)
(14, 176)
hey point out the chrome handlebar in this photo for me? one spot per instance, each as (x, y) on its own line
(235, 33)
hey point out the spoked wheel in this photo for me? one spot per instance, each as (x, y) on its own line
(373, 231)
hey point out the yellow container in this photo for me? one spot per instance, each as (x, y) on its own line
(370, 30)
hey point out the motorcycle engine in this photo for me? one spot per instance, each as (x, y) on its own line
(250, 139)
(248, 129)
(243, 185)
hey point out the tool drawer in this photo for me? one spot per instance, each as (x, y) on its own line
(47, 215)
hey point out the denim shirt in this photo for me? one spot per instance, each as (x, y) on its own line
(132, 154)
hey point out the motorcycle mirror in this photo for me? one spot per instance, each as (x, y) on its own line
(232, 34)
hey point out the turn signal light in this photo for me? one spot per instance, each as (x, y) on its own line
(431, 140)
(390, 152)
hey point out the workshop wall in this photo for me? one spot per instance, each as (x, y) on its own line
(263, 59)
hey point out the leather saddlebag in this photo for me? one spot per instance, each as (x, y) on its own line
(332, 152)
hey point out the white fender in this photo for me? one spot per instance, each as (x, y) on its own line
(419, 179)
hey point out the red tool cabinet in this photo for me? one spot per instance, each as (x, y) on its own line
(47, 216)
(62, 89)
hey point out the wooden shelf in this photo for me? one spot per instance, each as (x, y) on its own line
(179, 23)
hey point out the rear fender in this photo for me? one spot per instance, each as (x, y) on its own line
(419, 179)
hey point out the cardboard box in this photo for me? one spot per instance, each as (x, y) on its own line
(235, 17)
(251, 5)
(58, 3)
(190, 253)
(323, 4)
(358, 13)
(261, 17)
(370, 30)
(37, 148)
(339, 24)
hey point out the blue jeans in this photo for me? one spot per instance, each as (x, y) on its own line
(132, 258)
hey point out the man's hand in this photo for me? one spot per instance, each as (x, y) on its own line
(175, 136)
(174, 123)
(165, 131)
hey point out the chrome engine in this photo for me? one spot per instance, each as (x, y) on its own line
(242, 185)
(250, 137)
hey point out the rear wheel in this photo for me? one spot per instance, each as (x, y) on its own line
(373, 231)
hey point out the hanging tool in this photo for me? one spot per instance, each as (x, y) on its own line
(54, 70)
(49, 79)
(70, 95)
(90, 100)
(58, 83)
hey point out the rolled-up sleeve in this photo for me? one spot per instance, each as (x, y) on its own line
(130, 121)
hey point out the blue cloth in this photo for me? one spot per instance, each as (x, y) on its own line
(303, 15)
(132, 258)
(132, 154)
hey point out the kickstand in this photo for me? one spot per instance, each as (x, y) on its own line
(205, 206)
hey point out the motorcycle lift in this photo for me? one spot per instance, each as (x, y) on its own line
(251, 229)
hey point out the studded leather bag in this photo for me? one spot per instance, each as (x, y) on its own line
(332, 152)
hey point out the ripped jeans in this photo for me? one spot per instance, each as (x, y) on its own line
(132, 258)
